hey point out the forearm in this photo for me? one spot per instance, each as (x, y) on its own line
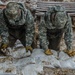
(4, 36)
(42, 35)
(69, 45)
(30, 29)
(43, 42)
(69, 34)
(29, 39)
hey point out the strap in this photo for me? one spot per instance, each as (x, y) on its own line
(5, 18)
(52, 17)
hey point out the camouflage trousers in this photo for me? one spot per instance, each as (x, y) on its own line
(16, 34)
(54, 37)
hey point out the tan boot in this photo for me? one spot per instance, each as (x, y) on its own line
(70, 52)
(29, 48)
(4, 46)
(48, 52)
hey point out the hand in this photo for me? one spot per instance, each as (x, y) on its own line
(48, 52)
(3, 49)
(70, 52)
(4, 46)
(29, 48)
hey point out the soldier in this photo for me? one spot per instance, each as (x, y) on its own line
(31, 5)
(57, 22)
(16, 22)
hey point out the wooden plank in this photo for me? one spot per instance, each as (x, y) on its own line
(43, 6)
(67, 4)
(45, 9)
(55, 3)
(2, 6)
(72, 14)
(51, 6)
(7, 74)
(48, 2)
(39, 13)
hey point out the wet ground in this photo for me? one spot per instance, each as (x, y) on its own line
(38, 63)
(58, 71)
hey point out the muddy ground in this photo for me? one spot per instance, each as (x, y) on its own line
(60, 71)
(32, 65)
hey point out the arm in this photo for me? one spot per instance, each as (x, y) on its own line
(42, 34)
(68, 33)
(29, 29)
(3, 30)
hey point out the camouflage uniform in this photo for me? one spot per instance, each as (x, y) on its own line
(52, 26)
(21, 28)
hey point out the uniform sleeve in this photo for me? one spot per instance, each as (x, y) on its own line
(29, 29)
(42, 34)
(68, 34)
(3, 30)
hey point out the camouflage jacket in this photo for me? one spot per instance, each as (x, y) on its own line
(45, 24)
(29, 24)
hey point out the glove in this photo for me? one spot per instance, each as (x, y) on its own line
(70, 52)
(48, 52)
(3, 49)
(29, 48)
(4, 46)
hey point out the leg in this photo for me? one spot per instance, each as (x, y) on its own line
(23, 39)
(54, 43)
(35, 41)
(12, 40)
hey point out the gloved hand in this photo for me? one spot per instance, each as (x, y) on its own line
(4, 46)
(29, 48)
(3, 49)
(48, 52)
(70, 52)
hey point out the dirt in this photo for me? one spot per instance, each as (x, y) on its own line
(57, 71)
